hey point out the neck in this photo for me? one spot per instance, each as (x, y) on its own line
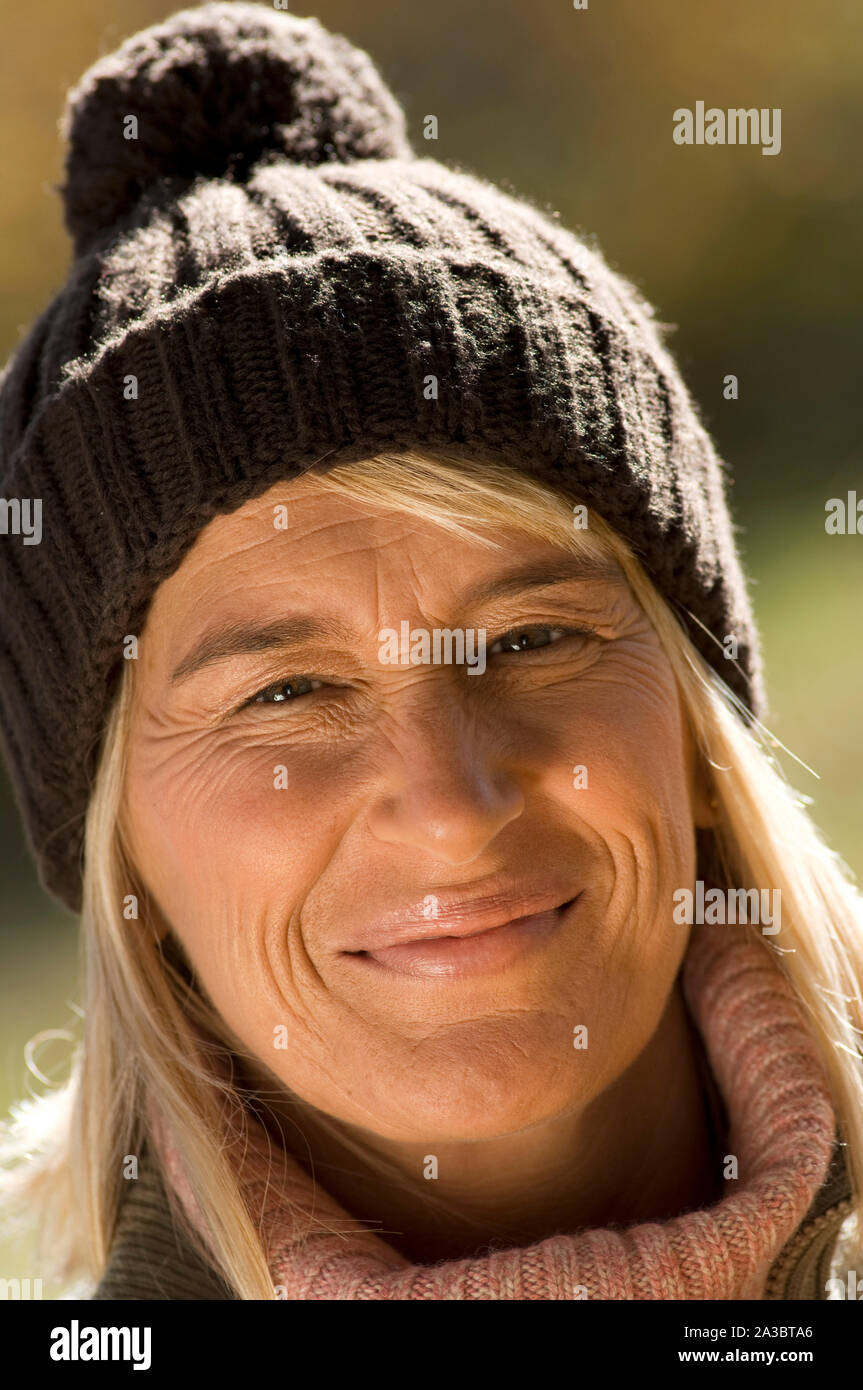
(643, 1150)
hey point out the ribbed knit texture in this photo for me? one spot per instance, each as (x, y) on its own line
(267, 278)
(781, 1129)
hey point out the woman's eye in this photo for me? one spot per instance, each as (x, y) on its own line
(517, 638)
(284, 692)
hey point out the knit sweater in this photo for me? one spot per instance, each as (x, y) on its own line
(773, 1235)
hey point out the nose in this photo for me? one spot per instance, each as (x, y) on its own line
(448, 788)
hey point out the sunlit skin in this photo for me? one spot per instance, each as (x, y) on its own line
(414, 780)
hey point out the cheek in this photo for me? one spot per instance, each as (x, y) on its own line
(622, 778)
(229, 836)
(203, 812)
(625, 770)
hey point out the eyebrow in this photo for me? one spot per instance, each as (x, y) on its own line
(247, 638)
(539, 575)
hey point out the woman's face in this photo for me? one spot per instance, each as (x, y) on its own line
(289, 842)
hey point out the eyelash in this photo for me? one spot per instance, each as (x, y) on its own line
(277, 686)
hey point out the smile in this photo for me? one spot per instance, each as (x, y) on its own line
(482, 952)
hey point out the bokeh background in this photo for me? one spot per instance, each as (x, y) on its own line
(755, 259)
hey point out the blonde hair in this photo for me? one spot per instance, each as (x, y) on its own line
(62, 1153)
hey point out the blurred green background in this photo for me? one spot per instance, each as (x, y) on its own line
(755, 259)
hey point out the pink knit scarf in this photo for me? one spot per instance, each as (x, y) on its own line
(782, 1125)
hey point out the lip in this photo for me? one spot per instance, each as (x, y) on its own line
(471, 950)
(461, 914)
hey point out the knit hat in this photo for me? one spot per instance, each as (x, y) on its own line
(265, 275)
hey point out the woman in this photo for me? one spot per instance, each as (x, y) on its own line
(384, 695)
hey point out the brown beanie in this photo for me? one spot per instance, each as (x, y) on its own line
(266, 274)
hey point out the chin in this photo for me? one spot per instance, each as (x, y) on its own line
(477, 1098)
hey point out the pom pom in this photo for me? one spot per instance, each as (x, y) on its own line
(212, 91)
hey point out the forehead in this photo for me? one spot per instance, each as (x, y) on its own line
(296, 538)
(300, 518)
